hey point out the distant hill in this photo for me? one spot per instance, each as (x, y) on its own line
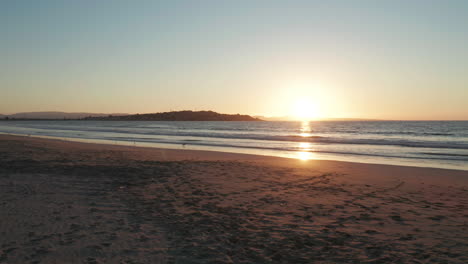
(54, 115)
(179, 116)
(165, 116)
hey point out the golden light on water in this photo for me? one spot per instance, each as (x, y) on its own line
(305, 151)
(305, 148)
(305, 129)
(303, 155)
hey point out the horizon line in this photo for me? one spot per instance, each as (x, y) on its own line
(280, 118)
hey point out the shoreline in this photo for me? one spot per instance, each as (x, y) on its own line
(78, 202)
(231, 152)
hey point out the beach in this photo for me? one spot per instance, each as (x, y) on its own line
(71, 202)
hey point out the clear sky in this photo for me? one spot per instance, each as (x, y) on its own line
(368, 59)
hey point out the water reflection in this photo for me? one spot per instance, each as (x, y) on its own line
(305, 129)
(305, 151)
(305, 146)
(304, 155)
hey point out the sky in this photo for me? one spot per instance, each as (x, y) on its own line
(395, 59)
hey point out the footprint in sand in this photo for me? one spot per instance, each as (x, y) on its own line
(437, 217)
(42, 251)
(91, 261)
(396, 218)
(75, 227)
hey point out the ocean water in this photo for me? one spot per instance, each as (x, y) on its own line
(440, 144)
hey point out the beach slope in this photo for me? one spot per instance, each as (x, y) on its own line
(69, 202)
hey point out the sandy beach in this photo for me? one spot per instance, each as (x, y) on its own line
(69, 202)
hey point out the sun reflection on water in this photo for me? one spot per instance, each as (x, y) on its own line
(305, 148)
(303, 155)
(305, 151)
(305, 129)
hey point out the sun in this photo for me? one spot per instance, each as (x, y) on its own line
(305, 109)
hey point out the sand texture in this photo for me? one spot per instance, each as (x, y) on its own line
(68, 202)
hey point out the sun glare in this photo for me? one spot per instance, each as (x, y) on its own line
(305, 151)
(304, 109)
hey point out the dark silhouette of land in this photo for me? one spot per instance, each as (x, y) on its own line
(52, 115)
(164, 116)
(179, 116)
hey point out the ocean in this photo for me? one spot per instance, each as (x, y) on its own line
(439, 144)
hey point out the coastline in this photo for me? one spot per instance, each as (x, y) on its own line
(243, 152)
(74, 202)
(422, 144)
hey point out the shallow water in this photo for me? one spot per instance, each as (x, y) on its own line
(441, 144)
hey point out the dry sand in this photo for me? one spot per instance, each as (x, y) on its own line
(68, 202)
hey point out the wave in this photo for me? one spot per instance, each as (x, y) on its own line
(200, 134)
(150, 128)
(441, 157)
(389, 133)
(445, 156)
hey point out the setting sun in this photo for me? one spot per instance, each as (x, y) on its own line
(234, 131)
(305, 109)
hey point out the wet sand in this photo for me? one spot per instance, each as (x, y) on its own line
(69, 202)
